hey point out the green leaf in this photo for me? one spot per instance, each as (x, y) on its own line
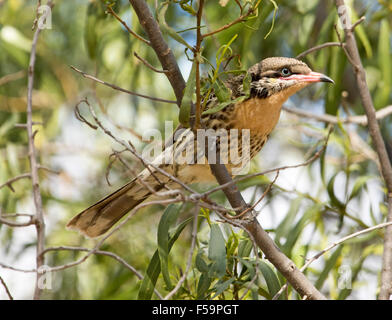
(295, 232)
(358, 185)
(203, 285)
(221, 287)
(186, 103)
(201, 265)
(331, 192)
(385, 65)
(217, 252)
(273, 18)
(244, 248)
(154, 268)
(168, 219)
(271, 279)
(248, 267)
(331, 262)
(94, 14)
(220, 106)
(166, 28)
(221, 91)
(304, 6)
(363, 38)
(284, 227)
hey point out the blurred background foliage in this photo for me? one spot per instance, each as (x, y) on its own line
(308, 208)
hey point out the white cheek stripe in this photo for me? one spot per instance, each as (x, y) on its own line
(311, 77)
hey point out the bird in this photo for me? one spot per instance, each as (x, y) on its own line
(272, 81)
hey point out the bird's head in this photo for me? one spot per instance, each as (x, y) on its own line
(282, 77)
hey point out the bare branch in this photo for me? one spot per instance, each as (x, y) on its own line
(148, 65)
(242, 18)
(110, 10)
(260, 199)
(7, 291)
(113, 86)
(352, 53)
(362, 120)
(9, 182)
(17, 224)
(319, 47)
(360, 20)
(162, 50)
(104, 253)
(39, 218)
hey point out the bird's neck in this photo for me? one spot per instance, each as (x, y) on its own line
(262, 115)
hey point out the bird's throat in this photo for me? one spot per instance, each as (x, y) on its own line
(262, 115)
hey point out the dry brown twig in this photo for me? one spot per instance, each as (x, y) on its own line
(148, 65)
(104, 253)
(111, 11)
(7, 291)
(39, 218)
(113, 86)
(361, 120)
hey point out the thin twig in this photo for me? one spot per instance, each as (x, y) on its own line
(162, 50)
(9, 182)
(7, 291)
(362, 120)
(39, 218)
(103, 253)
(110, 10)
(242, 18)
(148, 65)
(319, 47)
(238, 216)
(18, 224)
(113, 86)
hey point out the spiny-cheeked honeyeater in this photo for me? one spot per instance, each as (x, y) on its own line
(273, 81)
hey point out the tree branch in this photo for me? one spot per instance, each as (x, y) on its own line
(7, 291)
(39, 218)
(162, 50)
(362, 120)
(113, 86)
(352, 53)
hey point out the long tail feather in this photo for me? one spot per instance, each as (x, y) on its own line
(100, 217)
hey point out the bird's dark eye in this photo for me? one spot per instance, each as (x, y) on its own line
(285, 72)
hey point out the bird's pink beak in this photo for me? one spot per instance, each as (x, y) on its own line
(311, 77)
